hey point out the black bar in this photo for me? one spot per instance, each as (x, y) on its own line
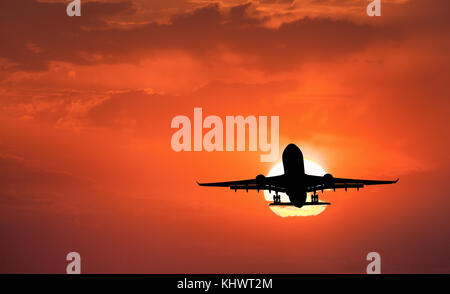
(224, 283)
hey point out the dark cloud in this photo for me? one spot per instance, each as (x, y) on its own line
(131, 109)
(25, 186)
(35, 33)
(152, 113)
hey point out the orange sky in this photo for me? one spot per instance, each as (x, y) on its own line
(86, 105)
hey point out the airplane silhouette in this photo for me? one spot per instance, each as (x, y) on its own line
(295, 183)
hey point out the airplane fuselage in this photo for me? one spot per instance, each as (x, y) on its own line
(294, 171)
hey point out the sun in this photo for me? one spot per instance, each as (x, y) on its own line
(311, 168)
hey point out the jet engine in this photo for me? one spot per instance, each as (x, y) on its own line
(328, 178)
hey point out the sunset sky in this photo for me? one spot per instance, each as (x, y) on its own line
(86, 105)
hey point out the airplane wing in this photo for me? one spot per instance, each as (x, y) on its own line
(259, 183)
(364, 182)
(328, 182)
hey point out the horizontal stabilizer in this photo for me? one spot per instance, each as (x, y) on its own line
(292, 204)
(317, 203)
(282, 204)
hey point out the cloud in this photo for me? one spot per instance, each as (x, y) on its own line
(34, 33)
(151, 113)
(43, 33)
(25, 186)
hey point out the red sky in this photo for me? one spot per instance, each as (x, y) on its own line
(86, 105)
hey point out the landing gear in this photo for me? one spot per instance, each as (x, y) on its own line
(276, 198)
(315, 198)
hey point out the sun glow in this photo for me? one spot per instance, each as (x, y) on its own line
(311, 168)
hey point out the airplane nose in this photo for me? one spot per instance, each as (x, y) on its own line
(292, 148)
